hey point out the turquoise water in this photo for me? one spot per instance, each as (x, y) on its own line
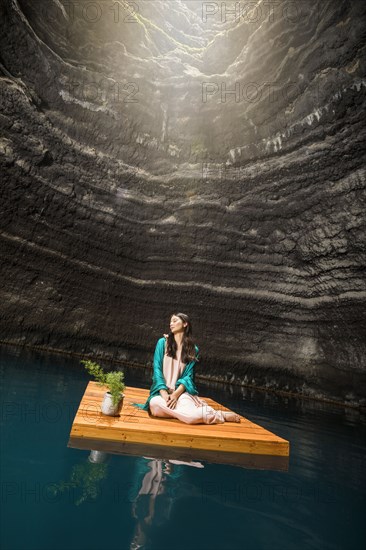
(54, 497)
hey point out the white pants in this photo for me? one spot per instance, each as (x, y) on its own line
(189, 409)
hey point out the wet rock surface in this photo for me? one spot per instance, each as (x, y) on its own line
(155, 157)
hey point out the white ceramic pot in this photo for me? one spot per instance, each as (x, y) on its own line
(107, 405)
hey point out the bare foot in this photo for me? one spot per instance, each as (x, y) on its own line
(231, 416)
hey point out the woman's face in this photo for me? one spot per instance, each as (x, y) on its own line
(176, 324)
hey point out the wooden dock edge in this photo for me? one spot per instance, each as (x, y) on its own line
(161, 452)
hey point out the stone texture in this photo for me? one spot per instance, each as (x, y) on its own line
(154, 161)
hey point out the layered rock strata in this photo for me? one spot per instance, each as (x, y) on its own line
(194, 156)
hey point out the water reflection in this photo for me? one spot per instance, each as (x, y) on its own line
(316, 502)
(85, 479)
(155, 495)
(152, 492)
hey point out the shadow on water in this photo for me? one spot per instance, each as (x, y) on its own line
(55, 496)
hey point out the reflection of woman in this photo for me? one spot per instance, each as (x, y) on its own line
(152, 485)
(173, 392)
(144, 498)
(153, 492)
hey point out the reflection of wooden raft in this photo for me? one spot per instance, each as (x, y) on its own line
(135, 432)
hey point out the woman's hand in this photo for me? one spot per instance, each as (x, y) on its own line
(172, 401)
(165, 395)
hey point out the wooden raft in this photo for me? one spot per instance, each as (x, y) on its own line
(135, 430)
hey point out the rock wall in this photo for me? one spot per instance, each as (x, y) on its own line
(180, 155)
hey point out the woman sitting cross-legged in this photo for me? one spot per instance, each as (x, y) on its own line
(173, 392)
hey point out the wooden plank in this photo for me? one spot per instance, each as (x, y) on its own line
(124, 422)
(135, 426)
(93, 417)
(160, 452)
(181, 440)
(191, 430)
(93, 414)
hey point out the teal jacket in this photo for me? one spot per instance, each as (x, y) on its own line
(187, 378)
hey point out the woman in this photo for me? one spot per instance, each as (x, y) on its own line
(173, 392)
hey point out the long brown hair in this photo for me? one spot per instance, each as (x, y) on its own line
(188, 349)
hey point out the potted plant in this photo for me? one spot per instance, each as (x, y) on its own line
(113, 398)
